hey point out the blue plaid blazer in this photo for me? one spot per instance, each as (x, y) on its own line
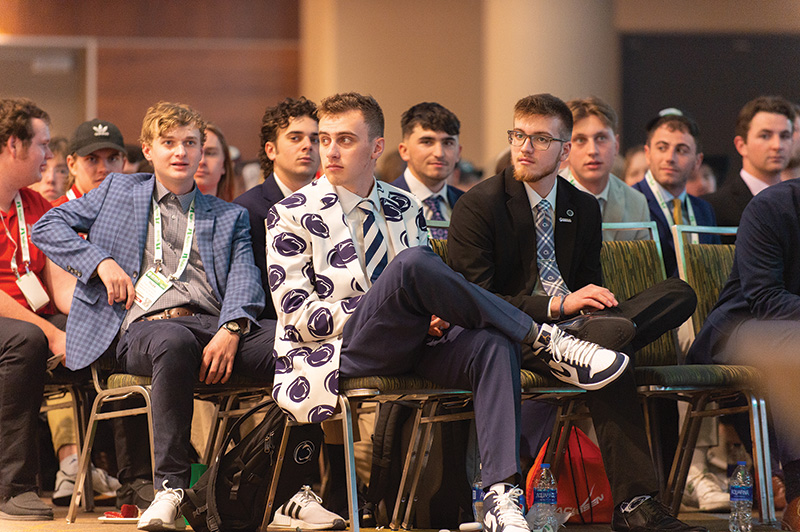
(115, 217)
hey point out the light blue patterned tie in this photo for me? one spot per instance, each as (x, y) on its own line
(376, 255)
(432, 202)
(552, 282)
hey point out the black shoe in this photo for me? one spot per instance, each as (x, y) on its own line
(611, 332)
(25, 507)
(645, 514)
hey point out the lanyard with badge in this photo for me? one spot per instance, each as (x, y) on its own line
(655, 189)
(153, 283)
(28, 283)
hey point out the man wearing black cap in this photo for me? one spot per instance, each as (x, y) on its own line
(673, 153)
(96, 149)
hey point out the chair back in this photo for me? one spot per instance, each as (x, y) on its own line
(440, 247)
(705, 267)
(631, 266)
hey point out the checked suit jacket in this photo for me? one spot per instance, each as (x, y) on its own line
(316, 282)
(115, 217)
(492, 240)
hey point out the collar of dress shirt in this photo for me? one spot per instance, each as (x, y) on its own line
(753, 183)
(286, 191)
(418, 188)
(184, 199)
(350, 201)
(667, 197)
(534, 198)
(602, 196)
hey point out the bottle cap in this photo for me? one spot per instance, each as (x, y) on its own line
(741, 462)
(545, 466)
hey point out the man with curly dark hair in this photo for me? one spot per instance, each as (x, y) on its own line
(289, 156)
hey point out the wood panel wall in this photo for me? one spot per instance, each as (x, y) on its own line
(228, 59)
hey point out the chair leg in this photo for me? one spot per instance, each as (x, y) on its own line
(276, 475)
(761, 458)
(350, 463)
(411, 459)
(84, 462)
(687, 441)
(425, 444)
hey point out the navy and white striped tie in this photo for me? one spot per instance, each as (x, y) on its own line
(376, 255)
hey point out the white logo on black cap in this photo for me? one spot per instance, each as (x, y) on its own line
(100, 130)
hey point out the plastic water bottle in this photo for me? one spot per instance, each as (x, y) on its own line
(477, 498)
(741, 490)
(545, 499)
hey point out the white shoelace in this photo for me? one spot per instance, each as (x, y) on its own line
(634, 503)
(579, 353)
(174, 496)
(508, 512)
(308, 495)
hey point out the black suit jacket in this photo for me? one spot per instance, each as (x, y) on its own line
(492, 240)
(765, 281)
(729, 202)
(258, 201)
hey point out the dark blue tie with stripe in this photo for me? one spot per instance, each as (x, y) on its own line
(376, 255)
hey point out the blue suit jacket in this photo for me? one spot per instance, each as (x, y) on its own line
(703, 213)
(258, 201)
(765, 280)
(115, 217)
(452, 192)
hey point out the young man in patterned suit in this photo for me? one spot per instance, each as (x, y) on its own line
(192, 313)
(359, 293)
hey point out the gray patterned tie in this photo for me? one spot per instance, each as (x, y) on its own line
(552, 282)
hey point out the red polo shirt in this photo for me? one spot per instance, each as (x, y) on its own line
(34, 206)
(63, 199)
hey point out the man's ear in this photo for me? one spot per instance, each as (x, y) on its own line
(377, 150)
(147, 150)
(271, 149)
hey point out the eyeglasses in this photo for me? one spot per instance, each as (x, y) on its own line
(539, 142)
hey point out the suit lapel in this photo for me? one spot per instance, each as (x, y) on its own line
(334, 217)
(519, 209)
(204, 222)
(566, 228)
(142, 200)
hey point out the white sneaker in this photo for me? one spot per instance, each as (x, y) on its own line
(304, 511)
(104, 485)
(706, 492)
(578, 362)
(163, 511)
(501, 510)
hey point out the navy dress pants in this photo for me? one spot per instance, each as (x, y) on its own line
(388, 335)
(170, 351)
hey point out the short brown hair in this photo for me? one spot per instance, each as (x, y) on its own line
(16, 120)
(546, 105)
(432, 117)
(278, 117)
(593, 106)
(352, 101)
(166, 116)
(676, 122)
(763, 104)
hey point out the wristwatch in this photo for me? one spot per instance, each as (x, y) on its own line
(234, 327)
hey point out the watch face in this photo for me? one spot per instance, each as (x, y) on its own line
(233, 327)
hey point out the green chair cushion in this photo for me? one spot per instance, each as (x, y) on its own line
(698, 375)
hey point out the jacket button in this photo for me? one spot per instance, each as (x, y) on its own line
(135, 275)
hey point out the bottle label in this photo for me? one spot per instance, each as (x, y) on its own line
(741, 493)
(477, 494)
(545, 496)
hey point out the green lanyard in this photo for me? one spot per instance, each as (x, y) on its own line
(158, 251)
(655, 189)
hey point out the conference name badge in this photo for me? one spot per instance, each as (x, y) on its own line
(35, 294)
(150, 287)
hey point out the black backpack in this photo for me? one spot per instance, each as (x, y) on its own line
(240, 479)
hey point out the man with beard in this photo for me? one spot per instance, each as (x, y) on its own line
(533, 239)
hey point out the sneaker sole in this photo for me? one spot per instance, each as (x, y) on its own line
(27, 517)
(611, 332)
(283, 522)
(595, 385)
(156, 525)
